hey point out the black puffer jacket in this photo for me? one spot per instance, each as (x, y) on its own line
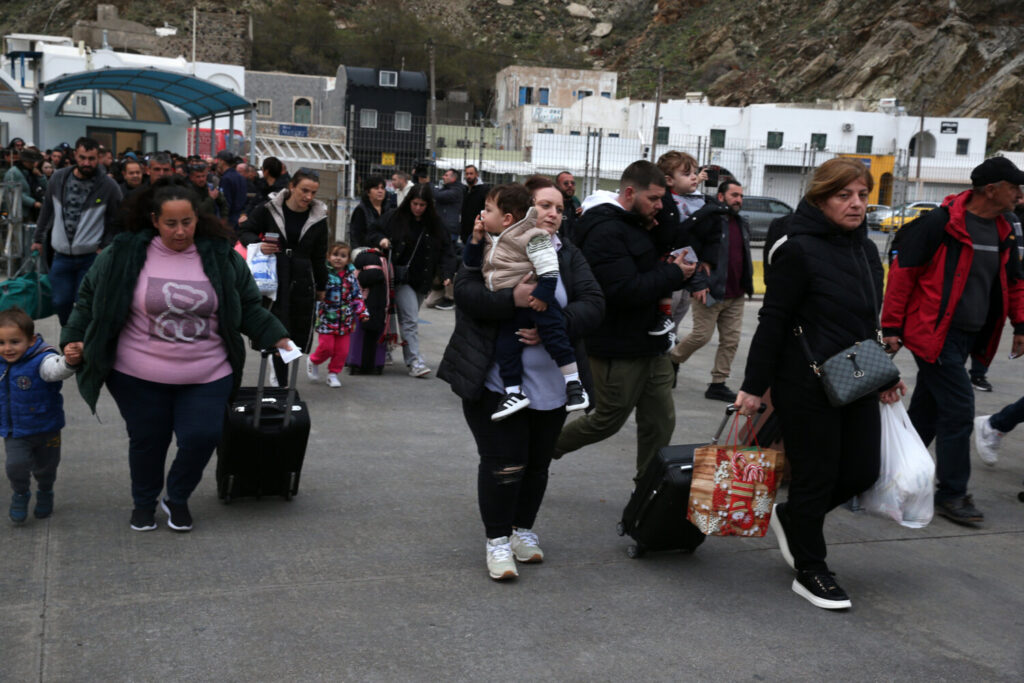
(821, 278)
(470, 350)
(426, 257)
(626, 263)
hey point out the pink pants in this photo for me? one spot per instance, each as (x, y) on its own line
(333, 347)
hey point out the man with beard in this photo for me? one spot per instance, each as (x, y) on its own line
(159, 166)
(731, 278)
(473, 203)
(630, 367)
(76, 221)
(566, 184)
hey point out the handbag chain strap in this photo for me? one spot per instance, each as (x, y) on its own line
(799, 330)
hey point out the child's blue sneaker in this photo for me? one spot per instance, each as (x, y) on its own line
(19, 507)
(44, 504)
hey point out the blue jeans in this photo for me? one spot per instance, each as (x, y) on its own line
(1008, 418)
(66, 274)
(153, 412)
(942, 409)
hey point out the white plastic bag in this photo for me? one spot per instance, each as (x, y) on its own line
(905, 488)
(264, 270)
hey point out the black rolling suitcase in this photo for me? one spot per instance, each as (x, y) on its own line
(264, 442)
(655, 516)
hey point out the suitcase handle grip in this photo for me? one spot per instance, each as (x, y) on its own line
(731, 410)
(261, 382)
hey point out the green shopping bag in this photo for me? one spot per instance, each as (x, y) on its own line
(28, 290)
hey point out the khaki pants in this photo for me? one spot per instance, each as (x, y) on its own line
(727, 315)
(620, 385)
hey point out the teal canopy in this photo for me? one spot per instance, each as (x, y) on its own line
(199, 98)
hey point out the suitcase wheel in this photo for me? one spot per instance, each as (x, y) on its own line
(1020, 496)
(620, 529)
(634, 552)
(289, 480)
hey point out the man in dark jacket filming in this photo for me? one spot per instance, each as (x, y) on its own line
(732, 279)
(630, 367)
(952, 284)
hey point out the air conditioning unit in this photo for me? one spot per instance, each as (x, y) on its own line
(847, 127)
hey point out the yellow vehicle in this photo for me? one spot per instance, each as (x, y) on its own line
(898, 220)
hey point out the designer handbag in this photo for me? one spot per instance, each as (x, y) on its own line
(857, 370)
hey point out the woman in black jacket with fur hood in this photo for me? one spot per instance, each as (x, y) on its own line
(825, 276)
(515, 453)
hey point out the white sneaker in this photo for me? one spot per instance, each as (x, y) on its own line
(332, 380)
(501, 564)
(312, 370)
(525, 546)
(987, 440)
(418, 369)
(388, 358)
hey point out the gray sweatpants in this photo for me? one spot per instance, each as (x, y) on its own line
(33, 456)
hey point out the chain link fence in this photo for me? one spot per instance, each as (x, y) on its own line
(597, 156)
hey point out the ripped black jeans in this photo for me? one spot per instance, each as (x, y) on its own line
(515, 454)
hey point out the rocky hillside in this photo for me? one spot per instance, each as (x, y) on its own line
(953, 57)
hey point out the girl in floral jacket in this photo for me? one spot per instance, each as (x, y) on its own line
(336, 315)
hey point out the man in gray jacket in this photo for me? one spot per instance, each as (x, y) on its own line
(76, 221)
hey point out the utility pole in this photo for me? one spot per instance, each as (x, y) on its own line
(433, 105)
(917, 150)
(657, 113)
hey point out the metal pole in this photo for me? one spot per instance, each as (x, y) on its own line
(657, 113)
(231, 130)
(586, 165)
(465, 147)
(481, 150)
(195, 135)
(213, 136)
(252, 136)
(918, 150)
(597, 164)
(352, 167)
(433, 106)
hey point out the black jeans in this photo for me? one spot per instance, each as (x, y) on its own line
(834, 454)
(515, 455)
(942, 409)
(153, 413)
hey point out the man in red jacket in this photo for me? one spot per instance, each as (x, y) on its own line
(951, 287)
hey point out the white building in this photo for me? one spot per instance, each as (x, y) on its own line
(771, 148)
(116, 118)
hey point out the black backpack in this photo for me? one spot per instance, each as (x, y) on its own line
(906, 233)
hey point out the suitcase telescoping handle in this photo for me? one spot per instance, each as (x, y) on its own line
(731, 410)
(293, 373)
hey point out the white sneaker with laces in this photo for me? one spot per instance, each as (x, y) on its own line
(418, 369)
(525, 546)
(987, 440)
(501, 564)
(312, 370)
(332, 380)
(511, 403)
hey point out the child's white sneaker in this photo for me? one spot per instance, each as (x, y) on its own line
(525, 546)
(312, 371)
(332, 380)
(500, 562)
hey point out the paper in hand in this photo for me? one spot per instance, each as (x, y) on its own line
(291, 353)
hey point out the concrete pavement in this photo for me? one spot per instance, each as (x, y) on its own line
(375, 572)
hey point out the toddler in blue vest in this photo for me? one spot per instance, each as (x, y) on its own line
(31, 410)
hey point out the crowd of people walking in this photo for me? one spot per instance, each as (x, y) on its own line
(560, 306)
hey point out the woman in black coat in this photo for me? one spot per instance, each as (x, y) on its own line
(826, 277)
(420, 250)
(367, 214)
(515, 453)
(299, 221)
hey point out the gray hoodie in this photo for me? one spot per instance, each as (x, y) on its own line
(95, 226)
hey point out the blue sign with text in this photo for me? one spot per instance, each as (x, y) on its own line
(293, 131)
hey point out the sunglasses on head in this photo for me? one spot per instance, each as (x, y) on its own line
(196, 168)
(309, 173)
